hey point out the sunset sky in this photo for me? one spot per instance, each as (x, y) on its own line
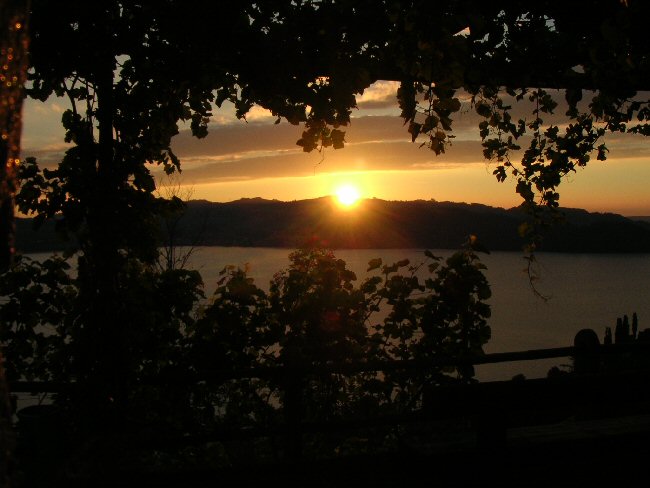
(261, 159)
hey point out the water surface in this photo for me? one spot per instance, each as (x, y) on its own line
(583, 291)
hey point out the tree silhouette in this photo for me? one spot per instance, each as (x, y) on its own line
(13, 61)
(137, 73)
(134, 70)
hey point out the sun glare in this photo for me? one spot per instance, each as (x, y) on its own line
(347, 195)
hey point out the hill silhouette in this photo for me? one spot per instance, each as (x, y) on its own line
(375, 223)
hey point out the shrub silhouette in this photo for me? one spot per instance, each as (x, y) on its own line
(197, 365)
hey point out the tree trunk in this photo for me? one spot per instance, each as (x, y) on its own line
(14, 43)
(105, 230)
(13, 70)
(100, 262)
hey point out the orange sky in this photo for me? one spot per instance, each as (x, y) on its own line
(260, 159)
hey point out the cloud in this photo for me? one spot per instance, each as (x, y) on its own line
(44, 109)
(257, 113)
(382, 94)
(366, 156)
(236, 138)
(373, 143)
(626, 146)
(256, 136)
(235, 149)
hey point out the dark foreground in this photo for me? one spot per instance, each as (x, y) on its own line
(580, 453)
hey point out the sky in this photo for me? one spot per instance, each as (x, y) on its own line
(257, 158)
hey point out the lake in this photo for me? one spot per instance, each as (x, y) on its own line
(583, 290)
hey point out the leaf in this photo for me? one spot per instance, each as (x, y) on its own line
(374, 264)
(430, 255)
(448, 105)
(430, 123)
(483, 292)
(414, 129)
(446, 123)
(483, 109)
(338, 138)
(454, 105)
(500, 173)
(389, 269)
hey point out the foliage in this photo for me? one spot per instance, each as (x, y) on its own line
(46, 338)
(173, 202)
(232, 335)
(440, 316)
(322, 319)
(626, 333)
(132, 75)
(196, 365)
(331, 52)
(316, 317)
(37, 300)
(134, 71)
(320, 313)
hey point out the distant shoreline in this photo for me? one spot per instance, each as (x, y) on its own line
(377, 224)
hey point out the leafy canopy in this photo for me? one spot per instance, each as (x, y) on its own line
(307, 61)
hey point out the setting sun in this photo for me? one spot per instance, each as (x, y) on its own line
(347, 195)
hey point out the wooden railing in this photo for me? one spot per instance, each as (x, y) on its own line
(492, 406)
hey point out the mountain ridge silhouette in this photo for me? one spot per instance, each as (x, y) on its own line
(376, 223)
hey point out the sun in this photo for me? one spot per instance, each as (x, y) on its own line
(347, 195)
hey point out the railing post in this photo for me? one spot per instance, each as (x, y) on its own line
(586, 359)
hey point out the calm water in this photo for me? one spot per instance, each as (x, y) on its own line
(585, 291)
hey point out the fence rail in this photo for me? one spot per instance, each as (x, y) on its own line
(280, 371)
(493, 406)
